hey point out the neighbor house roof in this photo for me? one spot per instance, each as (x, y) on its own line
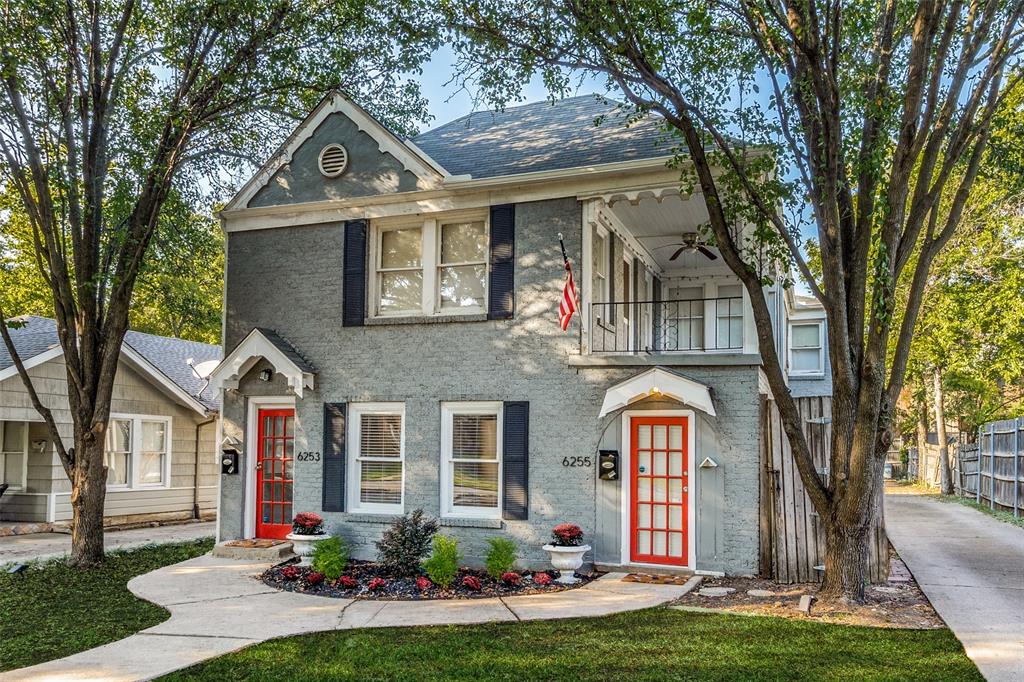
(167, 355)
(543, 136)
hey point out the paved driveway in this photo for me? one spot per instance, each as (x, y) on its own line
(22, 548)
(971, 566)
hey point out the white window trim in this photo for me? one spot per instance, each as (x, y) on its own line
(355, 412)
(448, 411)
(430, 264)
(605, 296)
(24, 454)
(136, 453)
(821, 349)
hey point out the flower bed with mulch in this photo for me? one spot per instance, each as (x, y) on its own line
(368, 580)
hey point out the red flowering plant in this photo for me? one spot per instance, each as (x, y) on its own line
(423, 583)
(314, 578)
(542, 579)
(471, 583)
(291, 573)
(566, 535)
(348, 582)
(510, 578)
(376, 584)
(308, 523)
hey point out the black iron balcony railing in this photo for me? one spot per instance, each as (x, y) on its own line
(703, 324)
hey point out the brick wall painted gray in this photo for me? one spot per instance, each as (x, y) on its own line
(289, 279)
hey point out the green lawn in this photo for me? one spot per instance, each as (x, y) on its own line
(656, 644)
(51, 610)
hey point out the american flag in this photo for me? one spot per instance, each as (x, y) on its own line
(568, 305)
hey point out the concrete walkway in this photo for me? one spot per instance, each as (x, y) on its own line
(971, 567)
(23, 548)
(218, 606)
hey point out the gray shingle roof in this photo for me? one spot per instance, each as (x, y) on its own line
(288, 349)
(168, 355)
(543, 136)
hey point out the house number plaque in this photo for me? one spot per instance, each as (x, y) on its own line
(308, 456)
(576, 461)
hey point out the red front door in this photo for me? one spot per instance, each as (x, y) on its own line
(274, 445)
(660, 487)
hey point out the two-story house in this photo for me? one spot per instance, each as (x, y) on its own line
(392, 341)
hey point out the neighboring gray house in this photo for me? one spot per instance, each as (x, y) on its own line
(161, 451)
(392, 341)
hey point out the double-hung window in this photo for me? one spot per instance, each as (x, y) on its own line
(14, 454)
(138, 451)
(377, 457)
(599, 268)
(436, 266)
(471, 459)
(729, 316)
(806, 350)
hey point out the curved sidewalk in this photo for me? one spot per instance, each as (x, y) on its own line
(218, 606)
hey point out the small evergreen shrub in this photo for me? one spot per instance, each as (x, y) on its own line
(330, 557)
(500, 557)
(405, 543)
(443, 564)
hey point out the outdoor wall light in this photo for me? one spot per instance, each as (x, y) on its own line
(266, 374)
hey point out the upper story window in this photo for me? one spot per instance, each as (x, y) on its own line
(377, 457)
(138, 451)
(14, 454)
(806, 349)
(431, 267)
(729, 316)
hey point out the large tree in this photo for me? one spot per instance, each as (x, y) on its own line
(109, 107)
(864, 101)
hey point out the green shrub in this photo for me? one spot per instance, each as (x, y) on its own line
(330, 557)
(406, 541)
(501, 557)
(443, 564)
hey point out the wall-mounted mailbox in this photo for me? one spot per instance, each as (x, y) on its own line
(229, 461)
(608, 465)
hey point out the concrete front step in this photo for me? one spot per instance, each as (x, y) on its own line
(254, 550)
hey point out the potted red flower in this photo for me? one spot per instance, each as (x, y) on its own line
(307, 530)
(566, 551)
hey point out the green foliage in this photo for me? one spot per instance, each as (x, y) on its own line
(53, 610)
(443, 564)
(500, 557)
(405, 542)
(330, 557)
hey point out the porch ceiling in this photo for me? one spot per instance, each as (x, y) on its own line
(658, 219)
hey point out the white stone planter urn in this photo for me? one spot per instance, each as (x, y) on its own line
(567, 560)
(304, 544)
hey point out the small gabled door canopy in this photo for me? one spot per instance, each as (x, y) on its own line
(265, 344)
(658, 382)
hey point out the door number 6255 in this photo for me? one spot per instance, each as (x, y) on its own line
(576, 462)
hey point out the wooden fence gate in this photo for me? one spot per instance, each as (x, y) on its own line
(792, 537)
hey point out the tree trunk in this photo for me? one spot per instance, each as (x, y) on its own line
(945, 474)
(88, 493)
(846, 561)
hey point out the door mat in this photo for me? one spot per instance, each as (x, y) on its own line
(254, 544)
(656, 578)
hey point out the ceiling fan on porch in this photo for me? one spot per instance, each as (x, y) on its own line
(690, 242)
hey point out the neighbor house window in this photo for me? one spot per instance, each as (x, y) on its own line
(138, 451)
(806, 350)
(377, 457)
(729, 316)
(471, 459)
(14, 454)
(431, 267)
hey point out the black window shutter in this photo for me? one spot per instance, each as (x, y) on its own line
(516, 461)
(353, 292)
(501, 297)
(657, 313)
(612, 278)
(334, 457)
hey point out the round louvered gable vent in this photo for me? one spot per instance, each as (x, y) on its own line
(333, 160)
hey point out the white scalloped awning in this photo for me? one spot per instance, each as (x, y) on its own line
(268, 345)
(658, 382)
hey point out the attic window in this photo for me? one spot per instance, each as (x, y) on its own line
(333, 160)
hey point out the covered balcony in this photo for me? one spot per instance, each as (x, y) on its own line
(651, 286)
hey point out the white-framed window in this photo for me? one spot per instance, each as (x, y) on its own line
(471, 445)
(806, 350)
(686, 314)
(14, 454)
(729, 316)
(138, 451)
(432, 266)
(600, 278)
(376, 457)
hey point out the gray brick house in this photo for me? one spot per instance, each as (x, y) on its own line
(392, 341)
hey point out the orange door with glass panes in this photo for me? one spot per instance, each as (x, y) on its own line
(275, 450)
(660, 488)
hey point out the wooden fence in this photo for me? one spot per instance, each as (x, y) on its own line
(792, 537)
(924, 465)
(992, 470)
